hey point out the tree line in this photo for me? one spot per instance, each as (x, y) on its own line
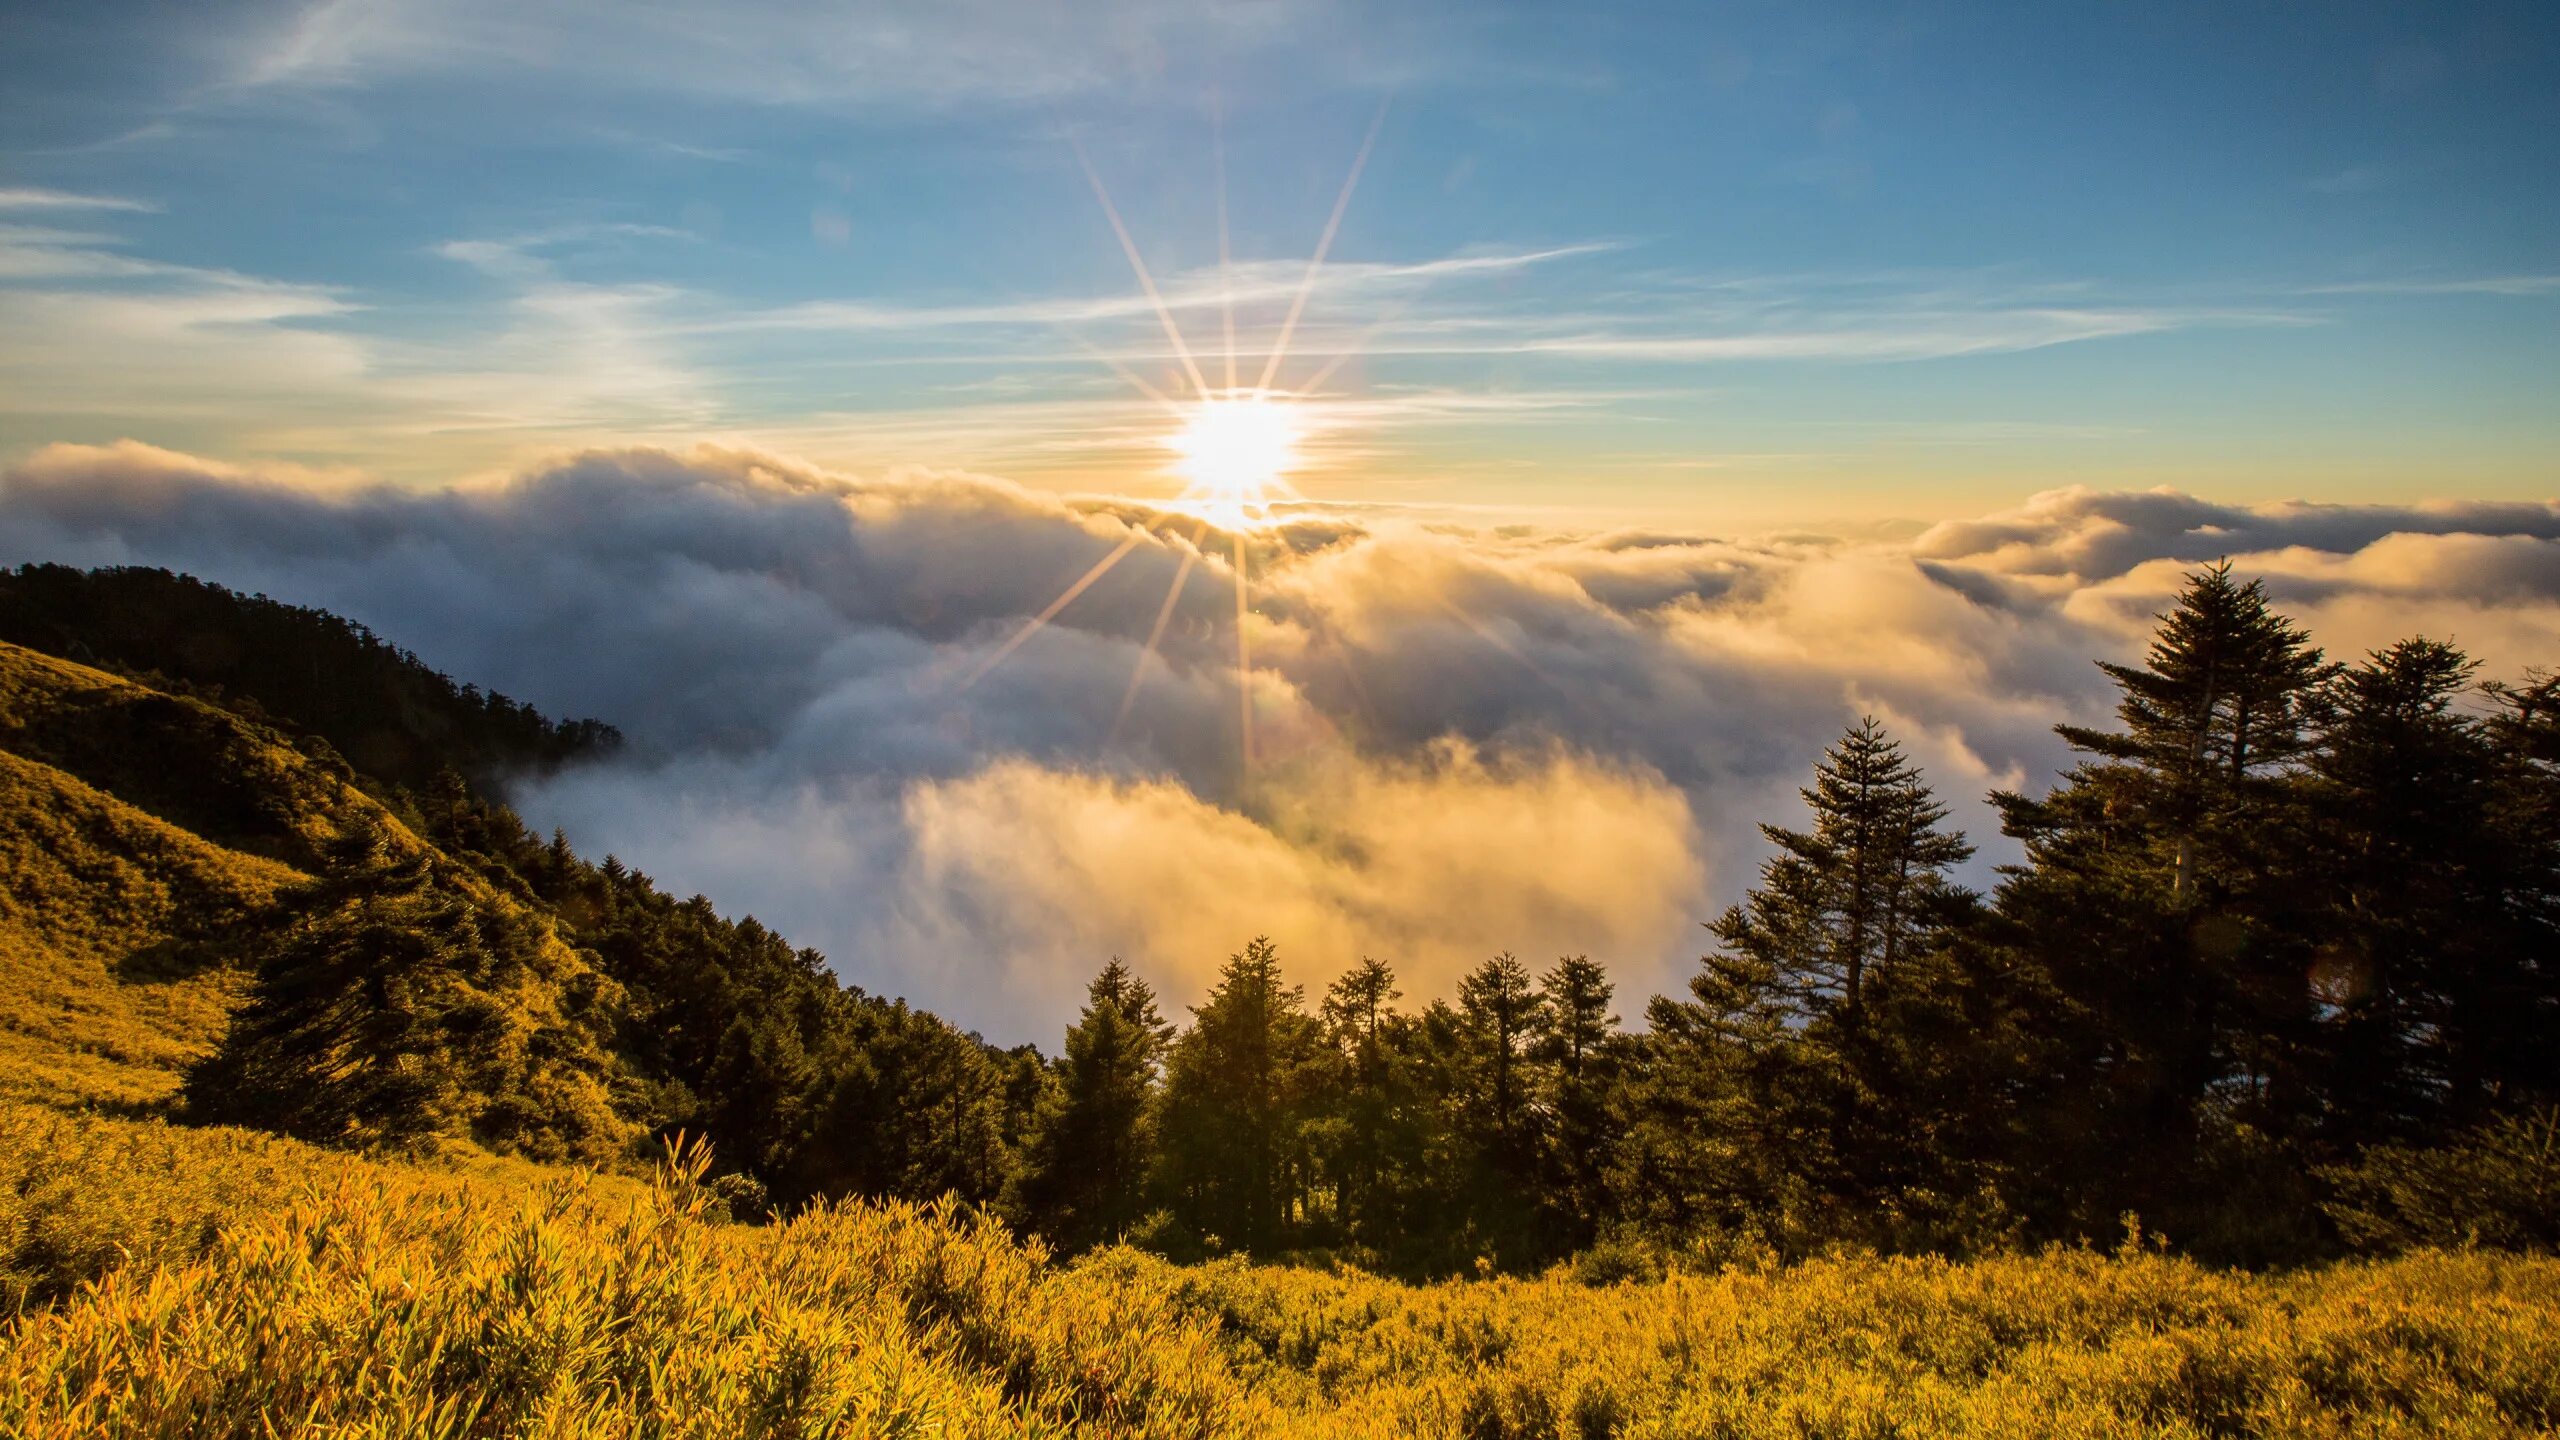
(2276, 973)
(399, 721)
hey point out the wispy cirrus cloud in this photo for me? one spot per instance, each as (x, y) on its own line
(2514, 285)
(771, 52)
(1195, 292)
(27, 198)
(1882, 336)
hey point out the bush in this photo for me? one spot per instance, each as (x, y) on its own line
(2498, 1185)
(1616, 1258)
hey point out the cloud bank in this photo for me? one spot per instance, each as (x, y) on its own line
(1463, 741)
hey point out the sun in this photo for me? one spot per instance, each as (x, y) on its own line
(1234, 446)
(1237, 448)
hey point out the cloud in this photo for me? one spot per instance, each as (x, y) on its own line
(1196, 292)
(769, 52)
(2484, 574)
(2085, 534)
(996, 892)
(85, 326)
(1464, 740)
(1922, 336)
(25, 198)
(2517, 286)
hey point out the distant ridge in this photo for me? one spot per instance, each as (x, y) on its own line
(392, 716)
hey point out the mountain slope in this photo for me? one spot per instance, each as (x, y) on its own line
(106, 915)
(170, 863)
(212, 909)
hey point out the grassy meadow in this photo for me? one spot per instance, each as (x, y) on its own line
(208, 1282)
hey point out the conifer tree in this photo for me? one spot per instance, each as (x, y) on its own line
(1503, 1016)
(2166, 905)
(1581, 1066)
(1233, 1163)
(910, 1108)
(2218, 706)
(1850, 898)
(1369, 1140)
(405, 1002)
(2405, 786)
(1779, 1089)
(2501, 1056)
(1491, 1104)
(1092, 1146)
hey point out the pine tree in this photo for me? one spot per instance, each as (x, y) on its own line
(1092, 1146)
(2166, 907)
(1581, 1062)
(2498, 1020)
(1782, 1096)
(404, 1001)
(1715, 1140)
(2405, 786)
(1493, 1108)
(1850, 898)
(910, 1108)
(2218, 705)
(1233, 1163)
(1503, 1016)
(1368, 1137)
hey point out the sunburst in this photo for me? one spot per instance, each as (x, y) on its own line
(1234, 446)
(1237, 450)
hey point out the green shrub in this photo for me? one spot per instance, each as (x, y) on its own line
(2498, 1185)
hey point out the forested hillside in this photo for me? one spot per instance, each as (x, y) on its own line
(422, 970)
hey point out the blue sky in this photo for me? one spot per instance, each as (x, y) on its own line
(1740, 265)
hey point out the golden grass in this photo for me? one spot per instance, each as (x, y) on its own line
(217, 1283)
(126, 938)
(101, 906)
(373, 1299)
(2069, 1344)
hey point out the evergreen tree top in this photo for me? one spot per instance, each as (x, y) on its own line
(2221, 693)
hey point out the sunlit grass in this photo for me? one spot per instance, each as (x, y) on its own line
(220, 1283)
(101, 907)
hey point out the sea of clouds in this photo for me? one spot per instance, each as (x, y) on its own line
(1464, 740)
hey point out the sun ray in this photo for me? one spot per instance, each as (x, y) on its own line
(1129, 247)
(1227, 272)
(1332, 225)
(1226, 261)
(1359, 343)
(1171, 406)
(1488, 635)
(1367, 707)
(1032, 626)
(1244, 666)
(1155, 637)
